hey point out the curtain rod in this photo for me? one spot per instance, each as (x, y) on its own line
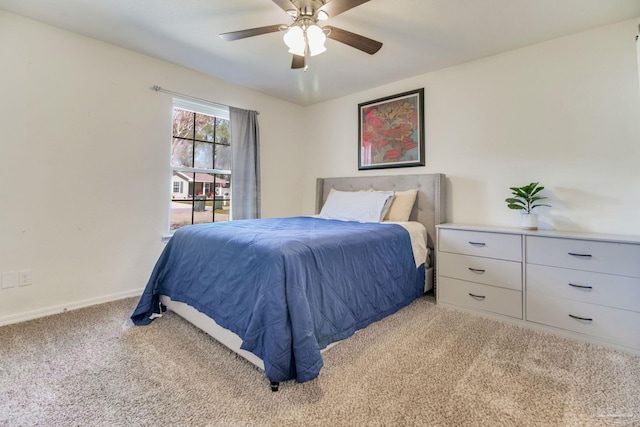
(193, 98)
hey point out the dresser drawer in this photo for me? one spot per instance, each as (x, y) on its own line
(478, 243)
(507, 302)
(611, 324)
(496, 272)
(595, 288)
(604, 257)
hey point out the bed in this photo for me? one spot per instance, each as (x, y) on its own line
(279, 291)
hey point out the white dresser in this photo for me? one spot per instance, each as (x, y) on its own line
(579, 284)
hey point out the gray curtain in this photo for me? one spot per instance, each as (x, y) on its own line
(245, 164)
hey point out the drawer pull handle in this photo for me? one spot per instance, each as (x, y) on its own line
(580, 255)
(587, 319)
(476, 270)
(479, 244)
(480, 297)
(580, 286)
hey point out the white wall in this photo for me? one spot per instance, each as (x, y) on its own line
(565, 113)
(84, 155)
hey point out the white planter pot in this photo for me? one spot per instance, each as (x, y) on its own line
(528, 221)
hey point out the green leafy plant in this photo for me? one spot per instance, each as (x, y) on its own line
(525, 198)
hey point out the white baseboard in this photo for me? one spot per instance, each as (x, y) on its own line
(48, 311)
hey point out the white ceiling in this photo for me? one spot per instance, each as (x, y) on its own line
(419, 36)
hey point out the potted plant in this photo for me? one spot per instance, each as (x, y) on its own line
(525, 199)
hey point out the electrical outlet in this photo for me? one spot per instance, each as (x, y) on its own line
(24, 277)
(8, 279)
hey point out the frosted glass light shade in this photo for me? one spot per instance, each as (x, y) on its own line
(316, 39)
(294, 39)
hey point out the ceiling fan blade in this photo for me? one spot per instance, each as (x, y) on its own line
(363, 43)
(298, 62)
(235, 35)
(336, 7)
(285, 5)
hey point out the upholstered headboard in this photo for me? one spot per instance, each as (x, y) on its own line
(429, 208)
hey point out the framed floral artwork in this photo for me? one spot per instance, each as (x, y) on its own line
(391, 131)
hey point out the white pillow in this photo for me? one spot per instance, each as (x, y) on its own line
(402, 205)
(331, 190)
(360, 206)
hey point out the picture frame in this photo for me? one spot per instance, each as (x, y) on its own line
(391, 131)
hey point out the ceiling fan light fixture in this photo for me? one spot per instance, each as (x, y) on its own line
(294, 39)
(303, 37)
(316, 38)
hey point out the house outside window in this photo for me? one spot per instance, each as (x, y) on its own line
(200, 164)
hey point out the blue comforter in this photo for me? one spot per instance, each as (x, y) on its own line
(287, 286)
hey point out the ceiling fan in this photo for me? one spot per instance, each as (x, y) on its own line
(304, 36)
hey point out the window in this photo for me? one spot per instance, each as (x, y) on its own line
(200, 164)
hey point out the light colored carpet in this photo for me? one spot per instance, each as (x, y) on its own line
(425, 365)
